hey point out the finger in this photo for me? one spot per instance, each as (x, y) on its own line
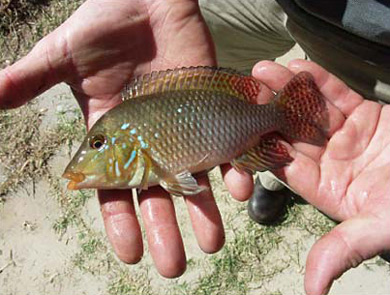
(121, 224)
(265, 95)
(356, 134)
(42, 68)
(206, 219)
(343, 97)
(346, 246)
(272, 74)
(162, 232)
(240, 185)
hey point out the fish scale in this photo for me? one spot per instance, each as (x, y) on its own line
(203, 116)
(178, 122)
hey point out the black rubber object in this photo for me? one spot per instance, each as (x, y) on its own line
(267, 207)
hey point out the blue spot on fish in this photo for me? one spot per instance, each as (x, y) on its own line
(131, 159)
(113, 139)
(133, 131)
(125, 126)
(144, 145)
(117, 171)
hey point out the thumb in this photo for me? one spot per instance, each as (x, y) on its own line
(346, 246)
(42, 68)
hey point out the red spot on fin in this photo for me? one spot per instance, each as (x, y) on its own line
(303, 109)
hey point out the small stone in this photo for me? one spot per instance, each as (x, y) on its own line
(60, 109)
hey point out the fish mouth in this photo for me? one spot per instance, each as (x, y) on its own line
(75, 179)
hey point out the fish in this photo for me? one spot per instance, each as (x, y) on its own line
(176, 123)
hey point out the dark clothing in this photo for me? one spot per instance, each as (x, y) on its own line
(369, 19)
(350, 38)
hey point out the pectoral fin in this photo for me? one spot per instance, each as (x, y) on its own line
(182, 184)
(147, 170)
(270, 153)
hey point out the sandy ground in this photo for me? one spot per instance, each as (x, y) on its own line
(34, 259)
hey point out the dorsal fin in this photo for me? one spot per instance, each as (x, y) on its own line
(223, 80)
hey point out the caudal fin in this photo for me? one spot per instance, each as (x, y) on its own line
(303, 109)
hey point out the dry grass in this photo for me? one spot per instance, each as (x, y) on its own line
(255, 254)
(24, 22)
(15, 13)
(25, 149)
(21, 152)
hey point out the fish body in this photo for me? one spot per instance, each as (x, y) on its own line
(173, 124)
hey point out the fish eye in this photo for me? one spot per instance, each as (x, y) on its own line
(97, 141)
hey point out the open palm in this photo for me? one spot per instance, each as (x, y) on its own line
(348, 179)
(105, 43)
(100, 47)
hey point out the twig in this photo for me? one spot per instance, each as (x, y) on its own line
(7, 265)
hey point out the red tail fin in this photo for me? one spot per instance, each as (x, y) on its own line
(304, 110)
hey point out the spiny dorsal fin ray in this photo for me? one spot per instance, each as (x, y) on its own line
(223, 80)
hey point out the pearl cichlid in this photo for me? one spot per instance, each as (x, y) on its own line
(175, 123)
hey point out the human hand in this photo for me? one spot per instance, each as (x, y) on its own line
(100, 47)
(348, 179)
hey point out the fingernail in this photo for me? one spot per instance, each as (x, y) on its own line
(260, 69)
(293, 64)
(296, 63)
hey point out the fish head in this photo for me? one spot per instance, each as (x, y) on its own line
(106, 159)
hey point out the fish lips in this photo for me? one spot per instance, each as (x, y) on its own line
(79, 180)
(76, 178)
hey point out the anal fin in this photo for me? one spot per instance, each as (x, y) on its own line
(271, 153)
